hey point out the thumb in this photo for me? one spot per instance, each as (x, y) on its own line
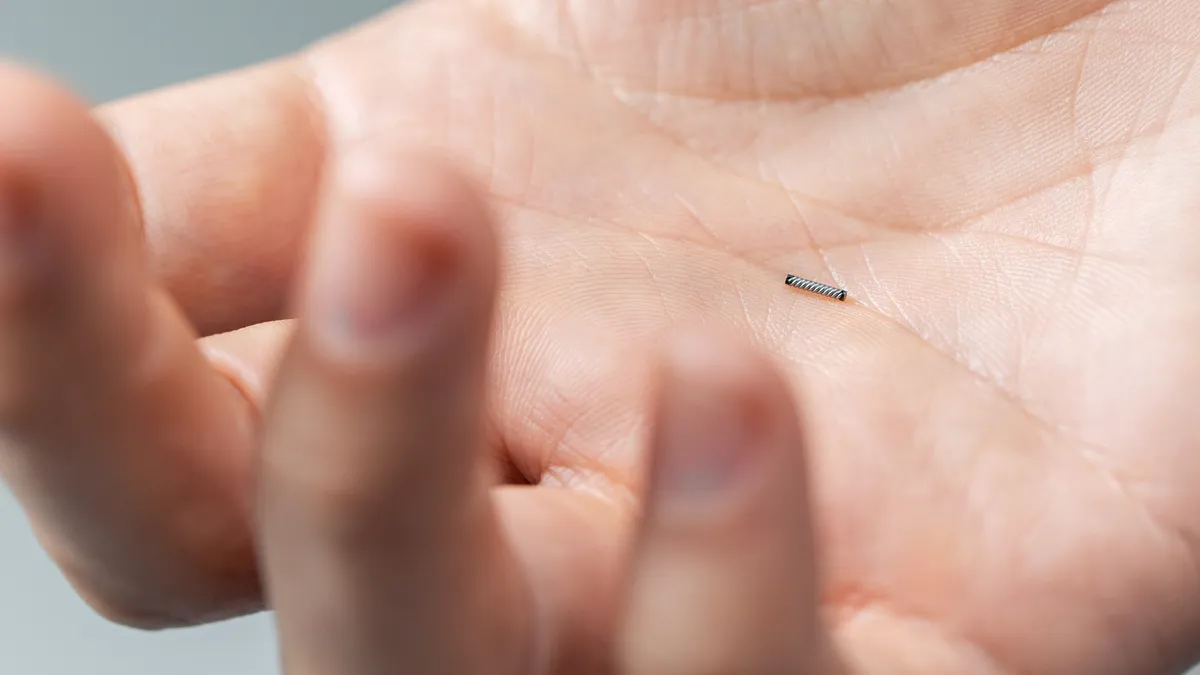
(724, 577)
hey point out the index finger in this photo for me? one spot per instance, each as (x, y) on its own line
(227, 172)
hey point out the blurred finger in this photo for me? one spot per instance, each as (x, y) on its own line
(129, 452)
(724, 578)
(380, 544)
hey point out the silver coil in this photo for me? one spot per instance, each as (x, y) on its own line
(816, 287)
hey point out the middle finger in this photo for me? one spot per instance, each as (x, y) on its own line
(381, 549)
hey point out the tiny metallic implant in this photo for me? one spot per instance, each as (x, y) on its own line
(814, 287)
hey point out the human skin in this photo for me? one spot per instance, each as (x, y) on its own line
(999, 422)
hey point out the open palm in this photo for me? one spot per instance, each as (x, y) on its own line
(1001, 413)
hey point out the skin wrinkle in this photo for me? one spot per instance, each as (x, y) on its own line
(1089, 456)
(867, 603)
(1111, 154)
(1049, 247)
(1015, 402)
(557, 460)
(814, 246)
(576, 52)
(793, 195)
(1085, 167)
(717, 242)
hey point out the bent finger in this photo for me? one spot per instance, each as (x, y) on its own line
(128, 451)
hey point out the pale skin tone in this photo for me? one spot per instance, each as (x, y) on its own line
(996, 468)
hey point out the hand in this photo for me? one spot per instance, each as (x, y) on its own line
(999, 420)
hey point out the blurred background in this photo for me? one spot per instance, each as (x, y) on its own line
(106, 49)
(112, 48)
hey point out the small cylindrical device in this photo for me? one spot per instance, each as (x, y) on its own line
(816, 287)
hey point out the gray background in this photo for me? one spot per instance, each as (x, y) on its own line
(106, 49)
(112, 48)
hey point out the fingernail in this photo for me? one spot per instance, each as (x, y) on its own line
(710, 428)
(378, 282)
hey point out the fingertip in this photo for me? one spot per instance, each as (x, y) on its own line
(69, 223)
(712, 359)
(725, 425)
(35, 92)
(58, 166)
(404, 252)
(724, 574)
(423, 191)
(45, 126)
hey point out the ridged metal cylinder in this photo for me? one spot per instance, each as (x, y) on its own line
(811, 286)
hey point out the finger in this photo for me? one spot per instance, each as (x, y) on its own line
(129, 453)
(226, 169)
(380, 545)
(724, 578)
